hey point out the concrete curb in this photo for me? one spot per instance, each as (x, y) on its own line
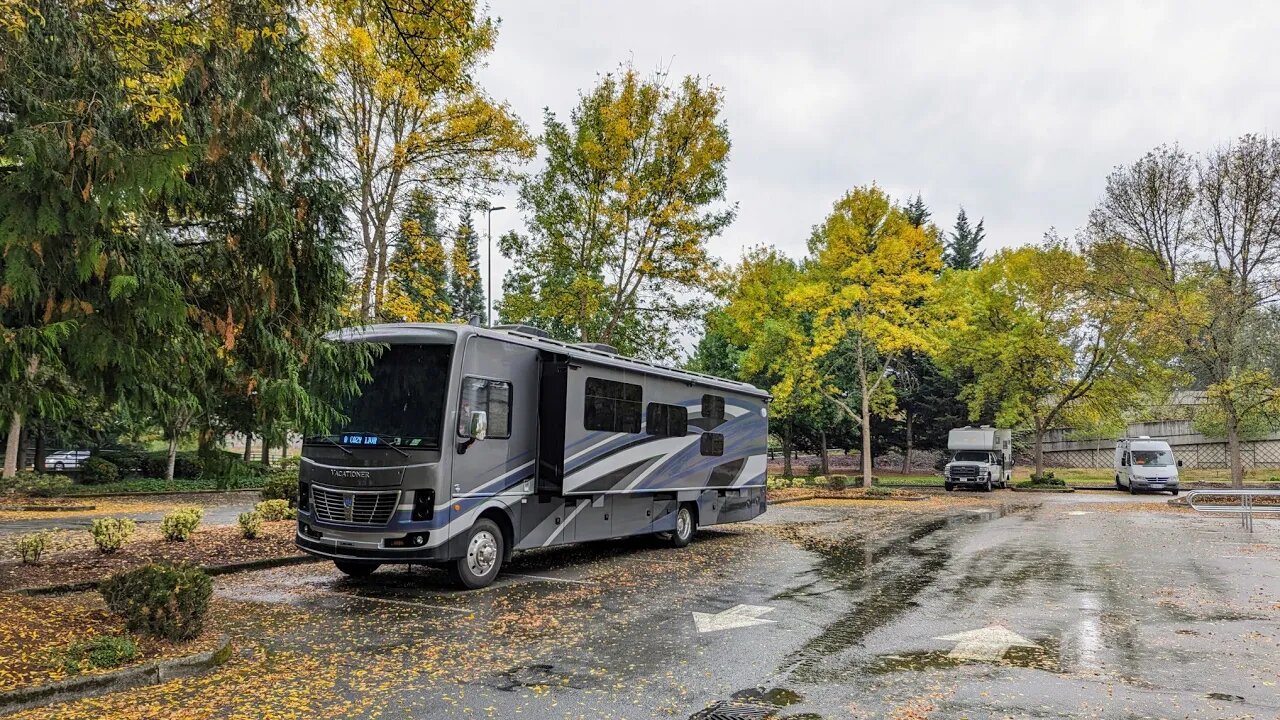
(146, 493)
(214, 570)
(151, 673)
(47, 508)
(1043, 489)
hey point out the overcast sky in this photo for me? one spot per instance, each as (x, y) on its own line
(1015, 111)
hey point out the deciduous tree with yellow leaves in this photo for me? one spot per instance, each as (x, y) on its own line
(620, 217)
(411, 115)
(830, 331)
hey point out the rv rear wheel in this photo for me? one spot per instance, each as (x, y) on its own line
(483, 557)
(356, 568)
(685, 527)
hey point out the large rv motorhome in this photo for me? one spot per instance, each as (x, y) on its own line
(469, 443)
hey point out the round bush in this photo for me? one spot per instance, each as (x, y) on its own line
(168, 601)
(96, 471)
(282, 484)
(179, 524)
(29, 482)
(274, 510)
(250, 523)
(110, 534)
(31, 547)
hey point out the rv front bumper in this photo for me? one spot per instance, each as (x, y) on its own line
(348, 546)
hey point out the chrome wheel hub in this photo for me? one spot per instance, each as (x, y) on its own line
(683, 523)
(482, 553)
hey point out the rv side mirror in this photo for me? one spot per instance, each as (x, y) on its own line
(479, 425)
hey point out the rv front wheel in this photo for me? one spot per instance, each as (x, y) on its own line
(355, 568)
(483, 558)
(685, 526)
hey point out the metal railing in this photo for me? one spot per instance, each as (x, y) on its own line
(1243, 503)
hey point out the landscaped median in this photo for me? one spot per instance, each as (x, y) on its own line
(147, 626)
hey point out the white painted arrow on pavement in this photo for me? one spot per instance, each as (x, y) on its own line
(988, 643)
(735, 617)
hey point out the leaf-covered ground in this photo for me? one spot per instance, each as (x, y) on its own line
(72, 557)
(34, 629)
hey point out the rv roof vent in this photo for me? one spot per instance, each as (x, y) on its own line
(524, 329)
(599, 347)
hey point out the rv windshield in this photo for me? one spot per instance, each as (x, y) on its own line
(1152, 458)
(972, 456)
(404, 402)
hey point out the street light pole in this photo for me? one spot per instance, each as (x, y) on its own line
(488, 296)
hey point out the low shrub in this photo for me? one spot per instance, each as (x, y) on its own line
(274, 510)
(36, 484)
(1046, 480)
(168, 601)
(877, 491)
(110, 534)
(128, 461)
(837, 482)
(96, 471)
(186, 465)
(31, 547)
(251, 523)
(179, 524)
(813, 470)
(281, 484)
(103, 651)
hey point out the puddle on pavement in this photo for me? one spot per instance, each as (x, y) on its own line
(537, 676)
(757, 703)
(1046, 657)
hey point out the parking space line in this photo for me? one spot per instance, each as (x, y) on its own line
(552, 579)
(392, 601)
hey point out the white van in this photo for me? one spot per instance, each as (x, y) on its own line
(1145, 464)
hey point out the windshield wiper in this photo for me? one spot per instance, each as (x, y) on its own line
(332, 442)
(383, 438)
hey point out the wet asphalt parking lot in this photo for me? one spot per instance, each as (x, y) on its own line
(1000, 605)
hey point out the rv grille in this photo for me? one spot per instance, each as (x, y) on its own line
(353, 508)
(964, 471)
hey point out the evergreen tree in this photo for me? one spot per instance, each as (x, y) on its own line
(962, 251)
(418, 289)
(917, 212)
(466, 289)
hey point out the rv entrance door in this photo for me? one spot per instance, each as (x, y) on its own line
(500, 380)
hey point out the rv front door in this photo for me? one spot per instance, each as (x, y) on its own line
(494, 452)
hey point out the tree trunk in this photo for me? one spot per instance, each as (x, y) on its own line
(786, 451)
(825, 468)
(248, 447)
(14, 446)
(266, 451)
(1039, 472)
(866, 438)
(1233, 451)
(172, 459)
(41, 450)
(906, 456)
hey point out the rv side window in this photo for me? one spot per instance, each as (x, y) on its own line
(711, 444)
(713, 407)
(666, 420)
(492, 397)
(612, 406)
